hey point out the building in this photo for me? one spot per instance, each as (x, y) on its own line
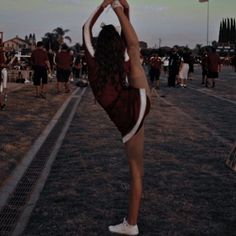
(16, 44)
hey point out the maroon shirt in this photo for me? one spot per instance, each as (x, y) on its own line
(39, 57)
(64, 60)
(213, 62)
(155, 63)
(121, 103)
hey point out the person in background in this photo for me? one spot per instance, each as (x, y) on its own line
(184, 69)
(108, 74)
(165, 64)
(41, 66)
(77, 67)
(51, 59)
(174, 64)
(64, 61)
(191, 65)
(155, 71)
(213, 67)
(204, 67)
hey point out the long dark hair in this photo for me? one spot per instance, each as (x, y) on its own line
(109, 54)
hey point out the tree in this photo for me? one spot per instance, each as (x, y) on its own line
(61, 35)
(55, 39)
(198, 48)
(50, 42)
(227, 32)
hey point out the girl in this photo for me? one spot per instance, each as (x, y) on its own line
(121, 88)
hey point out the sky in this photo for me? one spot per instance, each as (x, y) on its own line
(157, 22)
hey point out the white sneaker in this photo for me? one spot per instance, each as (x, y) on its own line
(124, 228)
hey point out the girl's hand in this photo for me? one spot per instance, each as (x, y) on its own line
(117, 4)
(124, 3)
(106, 3)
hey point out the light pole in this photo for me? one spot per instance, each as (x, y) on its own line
(208, 22)
(208, 10)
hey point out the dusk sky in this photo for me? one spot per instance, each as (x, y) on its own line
(168, 22)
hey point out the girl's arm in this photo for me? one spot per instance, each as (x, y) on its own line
(125, 5)
(128, 30)
(87, 28)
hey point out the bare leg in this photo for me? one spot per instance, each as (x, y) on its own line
(37, 90)
(185, 82)
(158, 84)
(43, 88)
(213, 82)
(67, 89)
(135, 150)
(58, 87)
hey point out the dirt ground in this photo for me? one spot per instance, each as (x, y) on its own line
(23, 120)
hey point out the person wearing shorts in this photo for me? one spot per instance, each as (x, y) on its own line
(41, 66)
(64, 61)
(155, 71)
(120, 86)
(213, 67)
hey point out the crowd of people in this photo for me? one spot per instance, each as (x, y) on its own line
(64, 65)
(40, 68)
(178, 67)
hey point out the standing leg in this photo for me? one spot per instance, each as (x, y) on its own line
(213, 82)
(135, 151)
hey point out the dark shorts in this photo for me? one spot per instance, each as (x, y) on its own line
(154, 75)
(63, 75)
(40, 75)
(212, 75)
(204, 71)
(129, 112)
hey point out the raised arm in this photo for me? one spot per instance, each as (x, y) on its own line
(87, 28)
(127, 29)
(125, 5)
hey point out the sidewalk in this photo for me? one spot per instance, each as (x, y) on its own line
(187, 188)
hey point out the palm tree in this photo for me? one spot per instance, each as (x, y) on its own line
(50, 41)
(198, 49)
(55, 39)
(61, 35)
